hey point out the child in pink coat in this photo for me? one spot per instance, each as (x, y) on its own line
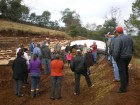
(69, 57)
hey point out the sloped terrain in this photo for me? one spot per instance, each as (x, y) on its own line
(103, 93)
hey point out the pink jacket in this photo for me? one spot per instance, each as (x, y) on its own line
(69, 57)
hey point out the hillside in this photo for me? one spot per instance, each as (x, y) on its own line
(103, 92)
(17, 29)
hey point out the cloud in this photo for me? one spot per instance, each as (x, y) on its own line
(92, 11)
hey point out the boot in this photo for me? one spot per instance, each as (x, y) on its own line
(37, 93)
(32, 94)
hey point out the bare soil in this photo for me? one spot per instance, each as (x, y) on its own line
(103, 93)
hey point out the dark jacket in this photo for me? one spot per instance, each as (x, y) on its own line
(78, 64)
(46, 53)
(89, 59)
(19, 68)
(123, 47)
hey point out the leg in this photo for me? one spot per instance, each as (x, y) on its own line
(116, 70)
(87, 79)
(77, 84)
(48, 64)
(45, 65)
(53, 87)
(32, 86)
(59, 79)
(16, 87)
(20, 83)
(37, 85)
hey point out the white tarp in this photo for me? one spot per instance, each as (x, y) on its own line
(100, 44)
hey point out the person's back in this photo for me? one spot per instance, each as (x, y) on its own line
(57, 66)
(34, 66)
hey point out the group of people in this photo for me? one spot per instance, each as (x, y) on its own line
(120, 50)
(53, 63)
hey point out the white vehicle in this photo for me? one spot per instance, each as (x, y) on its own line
(101, 46)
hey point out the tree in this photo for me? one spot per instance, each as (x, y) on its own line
(72, 21)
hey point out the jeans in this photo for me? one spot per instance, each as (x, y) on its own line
(94, 55)
(123, 71)
(18, 87)
(56, 83)
(46, 63)
(115, 69)
(35, 81)
(77, 81)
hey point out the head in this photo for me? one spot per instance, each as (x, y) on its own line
(78, 52)
(35, 56)
(20, 53)
(118, 31)
(21, 45)
(57, 56)
(85, 45)
(25, 49)
(94, 43)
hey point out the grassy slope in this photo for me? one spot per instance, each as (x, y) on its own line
(7, 25)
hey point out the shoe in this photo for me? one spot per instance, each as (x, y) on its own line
(92, 85)
(59, 98)
(119, 91)
(116, 80)
(76, 93)
(21, 95)
(52, 98)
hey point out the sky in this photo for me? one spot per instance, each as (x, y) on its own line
(90, 11)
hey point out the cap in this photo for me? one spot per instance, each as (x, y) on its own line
(119, 29)
(78, 50)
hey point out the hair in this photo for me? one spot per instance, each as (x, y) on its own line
(35, 57)
(20, 52)
(57, 56)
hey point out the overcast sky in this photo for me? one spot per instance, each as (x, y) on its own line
(90, 11)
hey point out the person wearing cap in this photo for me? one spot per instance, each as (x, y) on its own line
(46, 58)
(57, 67)
(122, 54)
(79, 66)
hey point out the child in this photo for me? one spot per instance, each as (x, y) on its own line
(69, 57)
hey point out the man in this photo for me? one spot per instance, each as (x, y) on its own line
(46, 58)
(57, 67)
(122, 54)
(79, 66)
(31, 48)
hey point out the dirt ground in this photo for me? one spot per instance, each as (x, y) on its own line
(103, 92)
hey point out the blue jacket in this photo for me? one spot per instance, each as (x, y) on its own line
(37, 50)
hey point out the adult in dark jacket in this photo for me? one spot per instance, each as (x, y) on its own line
(89, 60)
(122, 54)
(19, 68)
(46, 58)
(78, 66)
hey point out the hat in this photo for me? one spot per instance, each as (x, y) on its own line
(119, 29)
(78, 50)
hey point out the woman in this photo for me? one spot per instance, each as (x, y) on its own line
(34, 69)
(19, 68)
(57, 66)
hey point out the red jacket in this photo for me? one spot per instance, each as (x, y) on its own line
(57, 67)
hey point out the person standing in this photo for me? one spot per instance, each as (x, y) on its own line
(89, 60)
(31, 48)
(94, 51)
(85, 48)
(19, 68)
(37, 51)
(57, 67)
(34, 69)
(78, 66)
(46, 58)
(69, 57)
(122, 54)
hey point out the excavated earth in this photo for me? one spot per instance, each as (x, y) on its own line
(102, 93)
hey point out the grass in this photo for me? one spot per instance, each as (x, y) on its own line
(15, 27)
